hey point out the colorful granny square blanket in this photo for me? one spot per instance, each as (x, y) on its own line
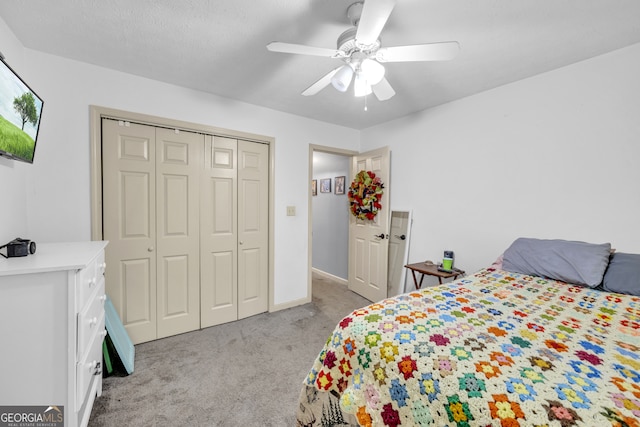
(493, 349)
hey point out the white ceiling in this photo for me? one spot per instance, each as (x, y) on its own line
(218, 46)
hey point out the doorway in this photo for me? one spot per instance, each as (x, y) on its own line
(326, 219)
(330, 215)
(366, 240)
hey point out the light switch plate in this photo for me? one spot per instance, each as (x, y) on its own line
(291, 211)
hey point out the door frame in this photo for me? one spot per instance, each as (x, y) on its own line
(97, 113)
(322, 149)
(405, 255)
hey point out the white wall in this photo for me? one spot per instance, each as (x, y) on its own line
(330, 251)
(13, 198)
(56, 186)
(553, 156)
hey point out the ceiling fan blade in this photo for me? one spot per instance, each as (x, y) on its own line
(320, 84)
(373, 18)
(383, 90)
(420, 52)
(301, 49)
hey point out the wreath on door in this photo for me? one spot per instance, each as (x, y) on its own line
(365, 194)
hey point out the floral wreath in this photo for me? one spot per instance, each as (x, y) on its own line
(365, 194)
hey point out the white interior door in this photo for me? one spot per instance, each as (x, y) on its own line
(129, 221)
(178, 165)
(368, 243)
(219, 233)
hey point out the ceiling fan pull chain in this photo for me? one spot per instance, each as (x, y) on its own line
(365, 103)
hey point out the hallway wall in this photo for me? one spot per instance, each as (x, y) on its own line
(330, 217)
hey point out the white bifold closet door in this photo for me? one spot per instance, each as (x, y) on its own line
(187, 219)
(234, 222)
(151, 219)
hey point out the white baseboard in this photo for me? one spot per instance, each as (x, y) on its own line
(330, 276)
(290, 304)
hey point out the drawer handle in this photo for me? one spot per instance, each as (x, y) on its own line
(92, 282)
(103, 298)
(95, 366)
(93, 322)
(103, 267)
(103, 333)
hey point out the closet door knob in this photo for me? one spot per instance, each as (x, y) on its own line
(150, 249)
(240, 242)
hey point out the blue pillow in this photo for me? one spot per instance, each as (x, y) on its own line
(623, 274)
(579, 263)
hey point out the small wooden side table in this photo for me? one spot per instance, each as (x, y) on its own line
(431, 270)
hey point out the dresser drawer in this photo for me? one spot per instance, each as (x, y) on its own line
(89, 319)
(88, 278)
(90, 365)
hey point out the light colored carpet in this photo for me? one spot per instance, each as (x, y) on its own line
(243, 373)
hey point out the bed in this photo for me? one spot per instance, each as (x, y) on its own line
(496, 348)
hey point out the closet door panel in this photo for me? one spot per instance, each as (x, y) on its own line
(219, 298)
(249, 275)
(218, 230)
(135, 205)
(178, 163)
(174, 286)
(176, 205)
(129, 223)
(138, 312)
(253, 228)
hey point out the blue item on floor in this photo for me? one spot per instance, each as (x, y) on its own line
(119, 336)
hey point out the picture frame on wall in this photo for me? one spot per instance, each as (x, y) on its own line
(325, 185)
(339, 185)
(314, 187)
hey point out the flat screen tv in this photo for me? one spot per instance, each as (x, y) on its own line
(20, 112)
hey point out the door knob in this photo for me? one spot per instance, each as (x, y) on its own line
(400, 237)
(240, 242)
(379, 236)
(150, 248)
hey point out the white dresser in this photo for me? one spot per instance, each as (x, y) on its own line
(52, 328)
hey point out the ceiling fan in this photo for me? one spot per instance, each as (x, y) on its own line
(360, 48)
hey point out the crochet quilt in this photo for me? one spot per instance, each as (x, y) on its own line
(492, 349)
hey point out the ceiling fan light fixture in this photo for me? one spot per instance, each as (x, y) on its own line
(373, 71)
(361, 86)
(342, 79)
(359, 47)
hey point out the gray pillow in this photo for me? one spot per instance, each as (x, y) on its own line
(580, 263)
(623, 274)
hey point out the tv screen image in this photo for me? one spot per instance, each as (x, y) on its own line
(20, 112)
